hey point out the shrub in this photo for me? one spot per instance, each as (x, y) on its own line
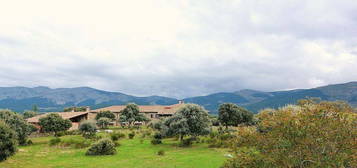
(308, 135)
(103, 147)
(186, 142)
(29, 114)
(161, 153)
(156, 141)
(105, 114)
(29, 142)
(59, 134)
(213, 134)
(103, 122)
(76, 143)
(7, 141)
(116, 144)
(131, 135)
(145, 133)
(88, 128)
(248, 157)
(73, 132)
(16, 122)
(97, 137)
(54, 141)
(32, 128)
(116, 136)
(158, 136)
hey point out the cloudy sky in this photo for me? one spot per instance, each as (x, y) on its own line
(178, 48)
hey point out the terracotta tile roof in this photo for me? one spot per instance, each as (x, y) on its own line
(160, 109)
(64, 115)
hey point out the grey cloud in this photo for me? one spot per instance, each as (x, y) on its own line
(225, 46)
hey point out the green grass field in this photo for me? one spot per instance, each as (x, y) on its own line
(132, 153)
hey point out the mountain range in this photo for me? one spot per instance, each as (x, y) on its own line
(23, 98)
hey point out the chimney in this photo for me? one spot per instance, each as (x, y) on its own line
(181, 102)
(87, 109)
(73, 109)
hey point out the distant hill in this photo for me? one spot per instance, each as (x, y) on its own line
(47, 99)
(257, 100)
(22, 98)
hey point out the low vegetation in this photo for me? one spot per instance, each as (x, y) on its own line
(233, 115)
(105, 114)
(309, 134)
(54, 123)
(102, 147)
(131, 114)
(103, 122)
(17, 123)
(7, 141)
(29, 114)
(88, 128)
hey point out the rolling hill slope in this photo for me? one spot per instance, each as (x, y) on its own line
(23, 98)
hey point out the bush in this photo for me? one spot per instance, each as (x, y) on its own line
(156, 141)
(308, 135)
(145, 133)
(186, 142)
(158, 136)
(73, 132)
(29, 142)
(16, 122)
(213, 134)
(131, 135)
(88, 128)
(76, 143)
(103, 122)
(161, 153)
(97, 137)
(116, 144)
(59, 134)
(54, 141)
(105, 114)
(248, 157)
(103, 147)
(7, 141)
(116, 136)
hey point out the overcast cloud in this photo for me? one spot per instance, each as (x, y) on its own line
(178, 48)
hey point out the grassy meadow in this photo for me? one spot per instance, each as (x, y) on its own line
(134, 153)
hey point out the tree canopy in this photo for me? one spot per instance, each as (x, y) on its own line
(75, 109)
(7, 141)
(54, 123)
(132, 114)
(191, 120)
(88, 128)
(103, 122)
(232, 115)
(18, 124)
(106, 114)
(29, 114)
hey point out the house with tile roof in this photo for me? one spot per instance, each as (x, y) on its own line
(153, 112)
(74, 117)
